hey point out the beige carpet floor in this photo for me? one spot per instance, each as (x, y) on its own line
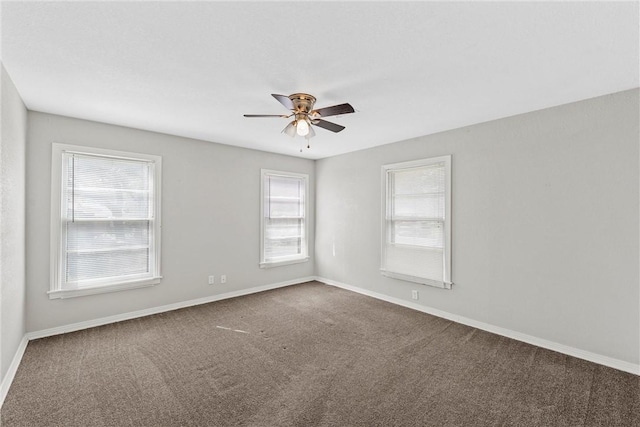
(308, 355)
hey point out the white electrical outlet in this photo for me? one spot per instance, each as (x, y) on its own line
(414, 294)
(212, 280)
(223, 278)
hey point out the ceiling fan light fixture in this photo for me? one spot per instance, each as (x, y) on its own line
(310, 135)
(302, 127)
(290, 129)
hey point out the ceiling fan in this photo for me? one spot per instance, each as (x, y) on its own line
(301, 105)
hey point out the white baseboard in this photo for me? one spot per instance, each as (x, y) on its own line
(550, 345)
(13, 368)
(161, 309)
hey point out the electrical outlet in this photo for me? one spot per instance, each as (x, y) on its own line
(414, 294)
(212, 280)
(223, 278)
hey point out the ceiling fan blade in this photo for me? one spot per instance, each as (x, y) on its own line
(334, 110)
(333, 127)
(266, 115)
(290, 129)
(284, 100)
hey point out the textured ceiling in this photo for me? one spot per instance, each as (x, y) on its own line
(409, 69)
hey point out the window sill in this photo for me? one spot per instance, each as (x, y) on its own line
(271, 264)
(101, 289)
(421, 280)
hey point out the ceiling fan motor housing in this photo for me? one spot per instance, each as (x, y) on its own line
(302, 102)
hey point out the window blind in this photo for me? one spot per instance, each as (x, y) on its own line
(284, 217)
(108, 215)
(415, 244)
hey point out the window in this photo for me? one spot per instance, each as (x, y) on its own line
(416, 230)
(283, 218)
(105, 225)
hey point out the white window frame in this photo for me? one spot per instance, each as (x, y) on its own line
(58, 287)
(304, 255)
(446, 282)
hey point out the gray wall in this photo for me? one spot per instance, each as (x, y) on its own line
(545, 223)
(12, 222)
(210, 218)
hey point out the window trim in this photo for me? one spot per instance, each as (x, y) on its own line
(57, 237)
(446, 283)
(304, 256)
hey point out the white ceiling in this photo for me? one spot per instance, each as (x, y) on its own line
(409, 69)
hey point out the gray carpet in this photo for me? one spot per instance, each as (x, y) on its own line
(308, 355)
